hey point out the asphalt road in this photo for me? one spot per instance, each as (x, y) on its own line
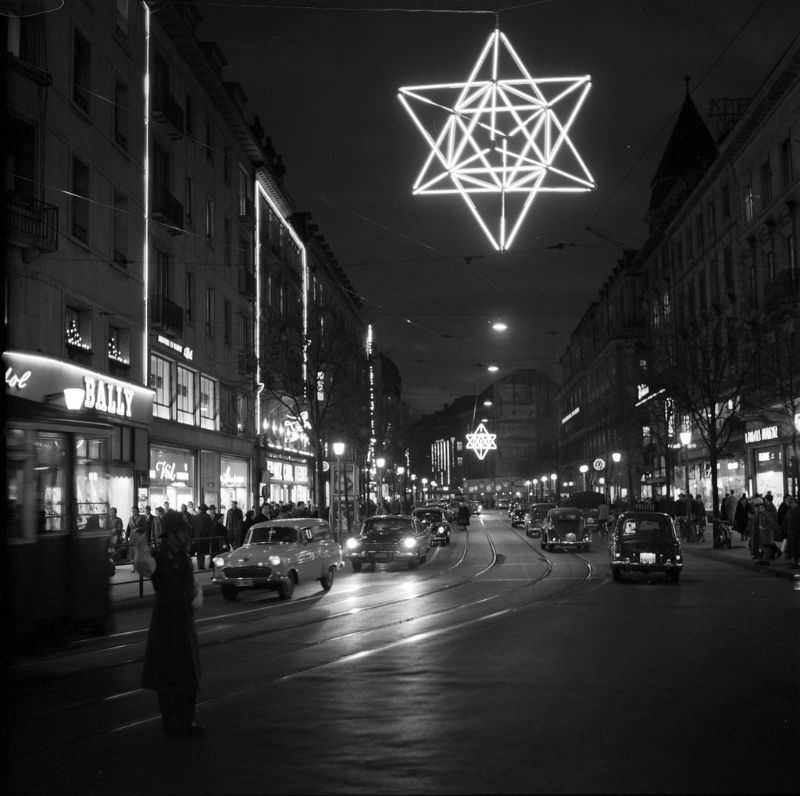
(492, 668)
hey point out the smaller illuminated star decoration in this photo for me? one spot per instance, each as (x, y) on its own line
(498, 140)
(481, 441)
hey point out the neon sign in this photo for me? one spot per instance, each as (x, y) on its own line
(481, 441)
(501, 137)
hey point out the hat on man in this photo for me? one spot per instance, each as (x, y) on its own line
(202, 507)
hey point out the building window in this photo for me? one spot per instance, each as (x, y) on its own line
(766, 184)
(726, 201)
(700, 233)
(121, 19)
(209, 221)
(786, 161)
(210, 315)
(121, 220)
(190, 297)
(81, 71)
(189, 114)
(245, 191)
(79, 201)
(244, 254)
(121, 109)
(78, 328)
(189, 208)
(245, 341)
(20, 143)
(185, 394)
(226, 165)
(791, 259)
(227, 322)
(119, 345)
(209, 403)
(161, 384)
(748, 202)
(712, 221)
(227, 235)
(727, 258)
(161, 274)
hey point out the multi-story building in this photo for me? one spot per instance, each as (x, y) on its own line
(710, 367)
(153, 259)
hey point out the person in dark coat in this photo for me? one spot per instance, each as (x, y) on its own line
(233, 525)
(203, 532)
(171, 659)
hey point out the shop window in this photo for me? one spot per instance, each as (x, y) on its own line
(210, 229)
(91, 484)
(119, 346)
(209, 403)
(227, 322)
(210, 310)
(186, 398)
(49, 468)
(161, 384)
(78, 329)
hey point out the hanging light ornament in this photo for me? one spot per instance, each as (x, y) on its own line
(481, 441)
(502, 141)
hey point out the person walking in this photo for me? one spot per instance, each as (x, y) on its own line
(792, 526)
(172, 658)
(740, 516)
(116, 534)
(233, 525)
(699, 518)
(136, 523)
(202, 531)
(462, 516)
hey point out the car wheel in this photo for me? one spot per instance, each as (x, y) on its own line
(327, 579)
(230, 592)
(286, 588)
(356, 565)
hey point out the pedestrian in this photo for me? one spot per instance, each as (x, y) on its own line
(729, 507)
(172, 659)
(187, 516)
(772, 549)
(699, 518)
(135, 523)
(233, 525)
(793, 532)
(116, 533)
(202, 531)
(149, 524)
(156, 526)
(249, 519)
(462, 516)
(218, 538)
(741, 516)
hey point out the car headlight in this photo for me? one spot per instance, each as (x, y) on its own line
(409, 543)
(352, 543)
(441, 530)
(275, 561)
(218, 561)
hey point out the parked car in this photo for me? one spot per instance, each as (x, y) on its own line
(389, 537)
(278, 555)
(537, 515)
(564, 528)
(645, 542)
(518, 516)
(438, 523)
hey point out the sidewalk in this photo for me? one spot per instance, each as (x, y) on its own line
(740, 555)
(129, 591)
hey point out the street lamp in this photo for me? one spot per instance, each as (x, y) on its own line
(401, 472)
(584, 468)
(616, 457)
(424, 490)
(414, 489)
(338, 451)
(553, 479)
(686, 438)
(380, 463)
(528, 484)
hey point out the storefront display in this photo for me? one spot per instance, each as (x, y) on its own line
(172, 476)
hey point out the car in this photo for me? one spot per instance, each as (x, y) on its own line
(502, 503)
(518, 516)
(475, 507)
(385, 538)
(537, 515)
(564, 528)
(645, 542)
(278, 555)
(437, 522)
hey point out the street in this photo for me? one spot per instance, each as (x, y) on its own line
(494, 667)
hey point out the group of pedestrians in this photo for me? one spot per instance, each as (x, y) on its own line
(769, 531)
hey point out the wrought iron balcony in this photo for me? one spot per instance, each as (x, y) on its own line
(247, 283)
(168, 209)
(167, 111)
(166, 316)
(30, 223)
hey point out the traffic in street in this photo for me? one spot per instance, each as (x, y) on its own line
(493, 666)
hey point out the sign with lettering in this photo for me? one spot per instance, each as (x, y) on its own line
(170, 466)
(763, 434)
(57, 383)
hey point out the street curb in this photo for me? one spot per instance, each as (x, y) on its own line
(777, 572)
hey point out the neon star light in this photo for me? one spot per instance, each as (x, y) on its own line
(481, 441)
(498, 140)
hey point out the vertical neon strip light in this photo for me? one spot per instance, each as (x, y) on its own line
(372, 437)
(257, 324)
(146, 202)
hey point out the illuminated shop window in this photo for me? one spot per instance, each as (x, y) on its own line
(161, 384)
(209, 403)
(119, 345)
(49, 469)
(186, 396)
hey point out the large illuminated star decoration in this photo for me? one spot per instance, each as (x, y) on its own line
(498, 141)
(481, 441)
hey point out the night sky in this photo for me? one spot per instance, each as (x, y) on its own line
(323, 77)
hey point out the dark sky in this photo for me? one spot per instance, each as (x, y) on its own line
(324, 77)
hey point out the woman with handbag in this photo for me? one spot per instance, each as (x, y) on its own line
(172, 660)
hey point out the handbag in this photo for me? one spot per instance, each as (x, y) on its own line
(197, 597)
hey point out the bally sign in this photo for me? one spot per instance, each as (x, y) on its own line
(111, 397)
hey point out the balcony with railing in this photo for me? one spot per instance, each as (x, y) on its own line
(31, 223)
(167, 209)
(166, 316)
(247, 283)
(166, 111)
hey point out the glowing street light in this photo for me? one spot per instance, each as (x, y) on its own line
(380, 463)
(686, 438)
(584, 468)
(338, 451)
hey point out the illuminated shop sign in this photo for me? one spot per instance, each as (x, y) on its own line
(233, 473)
(64, 385)
(169, 466)
(184, 350)
(763, 434)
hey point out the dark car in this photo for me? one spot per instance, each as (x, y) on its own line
(564, 528)
(385, 538)
(518, 516)
(437, 522)
(537, 514)
(645, 542)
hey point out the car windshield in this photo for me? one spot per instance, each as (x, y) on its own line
(568, 524)
(646, 530)
(388, 525)
(429, 516)
(273, 535)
